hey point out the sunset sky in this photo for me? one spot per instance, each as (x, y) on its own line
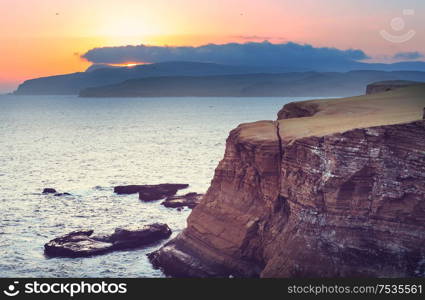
(47, 37)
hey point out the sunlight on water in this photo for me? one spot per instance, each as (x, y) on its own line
(88, 146)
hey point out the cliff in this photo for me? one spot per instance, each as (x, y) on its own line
(339, 192)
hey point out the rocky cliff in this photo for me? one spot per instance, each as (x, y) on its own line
(333, 188)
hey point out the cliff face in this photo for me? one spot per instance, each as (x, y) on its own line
(225, 231)
(296, 198)
(357, 204)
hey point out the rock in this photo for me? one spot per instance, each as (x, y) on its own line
(161, 191)
(390, 85)
(183, 263)
(76, 244)
(53, 191)
(127, 189)
(124, 238)
(175, 259)
(298, 110)
(62, 194)
(166, 188)
(82, 243)
(189, 200)
(153, 194)
(340, 193)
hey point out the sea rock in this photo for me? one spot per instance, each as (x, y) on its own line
(49, 191)
(125, 238)
(62, 194)
(82, 243)
(340, 193)
(188, 200)
(151, 191)
(76, 244)
(160, 191)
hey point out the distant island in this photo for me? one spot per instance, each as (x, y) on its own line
(209, 79)
(306, 84)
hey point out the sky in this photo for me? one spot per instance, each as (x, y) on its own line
(48, 37)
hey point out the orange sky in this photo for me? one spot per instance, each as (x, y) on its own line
(46, 37)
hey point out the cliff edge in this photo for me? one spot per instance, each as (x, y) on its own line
(389, 85)
(333, 188)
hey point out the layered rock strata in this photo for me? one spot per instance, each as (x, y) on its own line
(335, 189)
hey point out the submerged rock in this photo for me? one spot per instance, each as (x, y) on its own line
(56, 193)
(160, 191)
(82, 243)
(189, 200)
(62, 194)
(167, 189)
(49, 191)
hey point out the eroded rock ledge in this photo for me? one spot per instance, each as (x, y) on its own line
(336, 193)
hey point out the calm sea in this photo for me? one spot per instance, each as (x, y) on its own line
(86, 147)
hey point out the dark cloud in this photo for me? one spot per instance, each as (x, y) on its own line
(408, 55)
(251, 53)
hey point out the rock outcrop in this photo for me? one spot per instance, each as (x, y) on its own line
(164, 188)
(298, 110)
(62, 194)
(188, 200)
(49, 191)
(53, 191)
(76, 244)
(339, 192)
(82, 244)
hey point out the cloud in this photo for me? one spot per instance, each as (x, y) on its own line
(260, 38)
(253, 37)
(250, 53)
(408, 55)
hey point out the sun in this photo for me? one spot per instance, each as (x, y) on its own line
(128, 64)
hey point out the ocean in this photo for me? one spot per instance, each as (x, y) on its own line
(86, 146)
